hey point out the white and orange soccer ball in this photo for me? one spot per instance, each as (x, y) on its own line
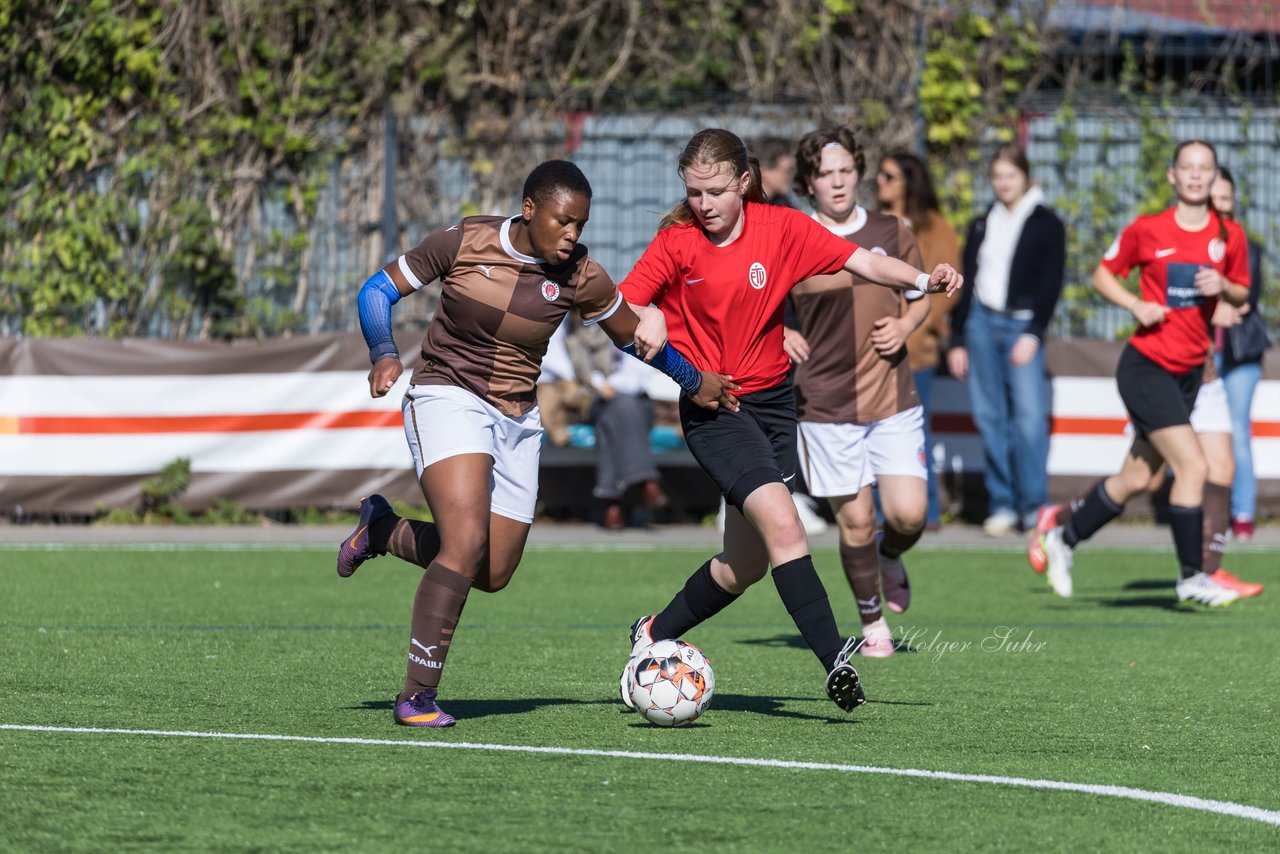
(671, 682)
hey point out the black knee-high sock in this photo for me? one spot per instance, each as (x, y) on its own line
(700, 600)
(1097, 510)
(806, 600)
(1187, 526)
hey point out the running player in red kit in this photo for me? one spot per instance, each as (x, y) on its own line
(718, 271)
(470, 414)
(1189, 257)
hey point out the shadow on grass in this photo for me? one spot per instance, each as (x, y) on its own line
(1167, 584)
(475, 709)
(1158, 603)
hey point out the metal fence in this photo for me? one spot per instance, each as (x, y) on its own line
(1090, 166)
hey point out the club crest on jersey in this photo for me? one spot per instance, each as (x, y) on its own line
(1217, 250)
(756, 275)
(550, 290)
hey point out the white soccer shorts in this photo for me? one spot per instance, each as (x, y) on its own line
(1211, 414)
(442, 421)
(840, 459)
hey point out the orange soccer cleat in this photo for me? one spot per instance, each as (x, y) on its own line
(1246, 589)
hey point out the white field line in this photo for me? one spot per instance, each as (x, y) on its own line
(1228, 808)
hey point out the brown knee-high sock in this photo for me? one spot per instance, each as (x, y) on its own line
(1217, 518)
(894, 542)
(437, 606)
(862, 568)
(408, 539)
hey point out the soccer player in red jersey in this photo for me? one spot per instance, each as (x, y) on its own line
(470, 413)
(1189, 256)
(718, 271)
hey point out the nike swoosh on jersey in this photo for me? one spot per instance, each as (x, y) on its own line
(689, 281)
(1164, 253)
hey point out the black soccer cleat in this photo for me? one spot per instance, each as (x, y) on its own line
(843, 685)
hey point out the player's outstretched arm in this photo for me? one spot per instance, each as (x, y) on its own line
(374, 302)
(705, 388)
(893, 273)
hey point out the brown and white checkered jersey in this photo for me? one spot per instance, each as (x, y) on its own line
(845, 381)
(498, 308)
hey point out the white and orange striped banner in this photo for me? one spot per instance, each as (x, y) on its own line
(290, 423)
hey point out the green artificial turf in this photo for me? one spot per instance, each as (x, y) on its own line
(1114, 687)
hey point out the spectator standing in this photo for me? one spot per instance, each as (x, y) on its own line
(1015, 256)
(777, 169)
(904, 189)
(1239, 359)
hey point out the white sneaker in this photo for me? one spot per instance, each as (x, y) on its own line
(807, 508)
(1058, 557)
(1000, 523)
(877, 640)
(1203, 590)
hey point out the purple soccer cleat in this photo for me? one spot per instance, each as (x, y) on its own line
(421, 710)
(355, 548)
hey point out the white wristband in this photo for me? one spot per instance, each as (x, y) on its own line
(922, 287)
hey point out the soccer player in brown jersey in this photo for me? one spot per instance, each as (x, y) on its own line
(470, 412)
(718, 271)
(861, 423)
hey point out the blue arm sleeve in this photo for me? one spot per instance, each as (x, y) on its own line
(377, 295)
(674, 365)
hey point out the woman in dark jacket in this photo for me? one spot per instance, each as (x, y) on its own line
(1015, 258)
(1239, 352)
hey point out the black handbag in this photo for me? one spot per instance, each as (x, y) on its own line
(1247, 340)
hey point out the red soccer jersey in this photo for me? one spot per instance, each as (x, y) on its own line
(1169, 256)
(723, 304)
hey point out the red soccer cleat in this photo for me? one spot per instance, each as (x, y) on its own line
(1045, 519)
(1246, 589)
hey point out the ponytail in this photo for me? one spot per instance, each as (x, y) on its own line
(755, 187)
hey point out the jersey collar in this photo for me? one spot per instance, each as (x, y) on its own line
(505, 234)
(851, 227)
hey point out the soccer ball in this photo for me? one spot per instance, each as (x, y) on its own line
(671, 682)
